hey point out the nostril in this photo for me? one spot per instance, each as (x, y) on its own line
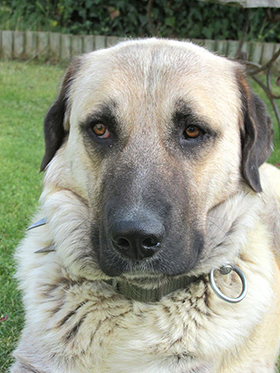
(151, 242)
(137, 247)
(123, 243)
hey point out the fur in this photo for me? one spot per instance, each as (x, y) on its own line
(75, 322)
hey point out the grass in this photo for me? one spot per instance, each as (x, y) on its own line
(275, 156)
(26, 91)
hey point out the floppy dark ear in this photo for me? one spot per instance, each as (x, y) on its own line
(256, 135)
(54, 129)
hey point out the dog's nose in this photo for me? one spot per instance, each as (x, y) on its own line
(137, 240)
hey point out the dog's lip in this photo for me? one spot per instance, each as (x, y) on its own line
(149, 279)
(139, 276)
(143, 278)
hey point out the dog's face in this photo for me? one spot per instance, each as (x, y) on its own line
(153, 135)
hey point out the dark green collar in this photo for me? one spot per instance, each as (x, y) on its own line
(132, 291)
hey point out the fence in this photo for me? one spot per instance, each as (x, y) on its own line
(60, 47)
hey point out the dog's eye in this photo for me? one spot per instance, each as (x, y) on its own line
(192, 132)
(101, 131)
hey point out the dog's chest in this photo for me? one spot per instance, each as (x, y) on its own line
(161, 337)
(139, 337)
(179, 334)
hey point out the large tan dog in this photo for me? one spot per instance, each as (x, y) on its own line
(154, 180)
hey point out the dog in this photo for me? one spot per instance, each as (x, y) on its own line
(155, 247)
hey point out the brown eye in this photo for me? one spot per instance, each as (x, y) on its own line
(192, 132)
(101, 131)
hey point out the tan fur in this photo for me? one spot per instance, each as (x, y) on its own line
(75, 322)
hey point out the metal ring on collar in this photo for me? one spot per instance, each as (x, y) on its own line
(224, 271)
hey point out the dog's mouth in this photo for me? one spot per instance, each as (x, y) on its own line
(174, 258)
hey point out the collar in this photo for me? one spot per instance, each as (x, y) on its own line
(134, 292)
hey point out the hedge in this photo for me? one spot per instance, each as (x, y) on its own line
(165, 18)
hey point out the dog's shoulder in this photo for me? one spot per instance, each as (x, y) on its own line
(270, 179)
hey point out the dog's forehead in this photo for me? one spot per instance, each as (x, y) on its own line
(161, 73)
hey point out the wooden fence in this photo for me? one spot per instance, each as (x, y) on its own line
(60, 47)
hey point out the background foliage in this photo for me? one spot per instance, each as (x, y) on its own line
(176, 18)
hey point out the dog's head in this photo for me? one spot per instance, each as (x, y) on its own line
(152, 135)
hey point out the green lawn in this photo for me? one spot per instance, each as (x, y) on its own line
(275, 156)
(26, 91)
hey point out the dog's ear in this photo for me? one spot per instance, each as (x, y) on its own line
(256, 134)
(54, 123)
